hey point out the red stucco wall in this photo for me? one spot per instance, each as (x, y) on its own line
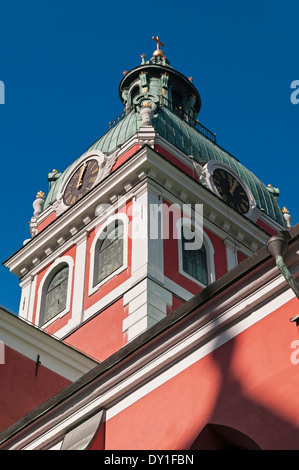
(249, 384)
(22, 390)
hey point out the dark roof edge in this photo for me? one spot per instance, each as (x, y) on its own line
(44, 333)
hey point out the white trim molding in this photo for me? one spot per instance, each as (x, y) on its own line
(79, 281)
(28, 286)
(231, 250)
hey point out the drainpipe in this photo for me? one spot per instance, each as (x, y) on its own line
(277, 246)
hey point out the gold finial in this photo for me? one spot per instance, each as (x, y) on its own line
(284, 210)
(40, 194)
(54, 171)
(146, 104)
(158, 51)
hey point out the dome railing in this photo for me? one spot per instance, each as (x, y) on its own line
(188, 118)
(120, 117)
(178, 111)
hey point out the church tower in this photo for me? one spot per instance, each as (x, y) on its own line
(152, 213)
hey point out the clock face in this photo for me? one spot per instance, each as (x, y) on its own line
(81, 182)
(231, 191)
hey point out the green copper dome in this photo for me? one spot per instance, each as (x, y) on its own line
(108, 143)
(176, 104)
(190, 141)
(118, 134)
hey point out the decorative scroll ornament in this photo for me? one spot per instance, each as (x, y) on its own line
(143, 79)
(202, 176)
(108, 164)
(273, 191)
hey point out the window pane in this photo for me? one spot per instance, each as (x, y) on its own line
(54, 300)
(195, 261)
(109, 252)
(110, 259)
(58, 278)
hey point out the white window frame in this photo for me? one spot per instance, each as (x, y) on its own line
(201, 234)
(49, 274)
(124, 218)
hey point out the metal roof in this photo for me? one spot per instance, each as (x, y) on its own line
(187, 139)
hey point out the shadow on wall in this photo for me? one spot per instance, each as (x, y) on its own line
(219, 437)
(240, 422)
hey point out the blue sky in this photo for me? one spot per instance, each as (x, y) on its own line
(61, 63)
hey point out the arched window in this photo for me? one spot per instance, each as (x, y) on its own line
(194, 261)
(54, 294)
(109, 249)
(177, 102)
(135, 91)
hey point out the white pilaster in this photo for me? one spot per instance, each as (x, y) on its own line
(28, 286)
(231, 254)
(147, 303)
(139, 233)
(147, 242)
(79, 280)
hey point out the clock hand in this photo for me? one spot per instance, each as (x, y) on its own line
(232, 189)
(83, 168)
